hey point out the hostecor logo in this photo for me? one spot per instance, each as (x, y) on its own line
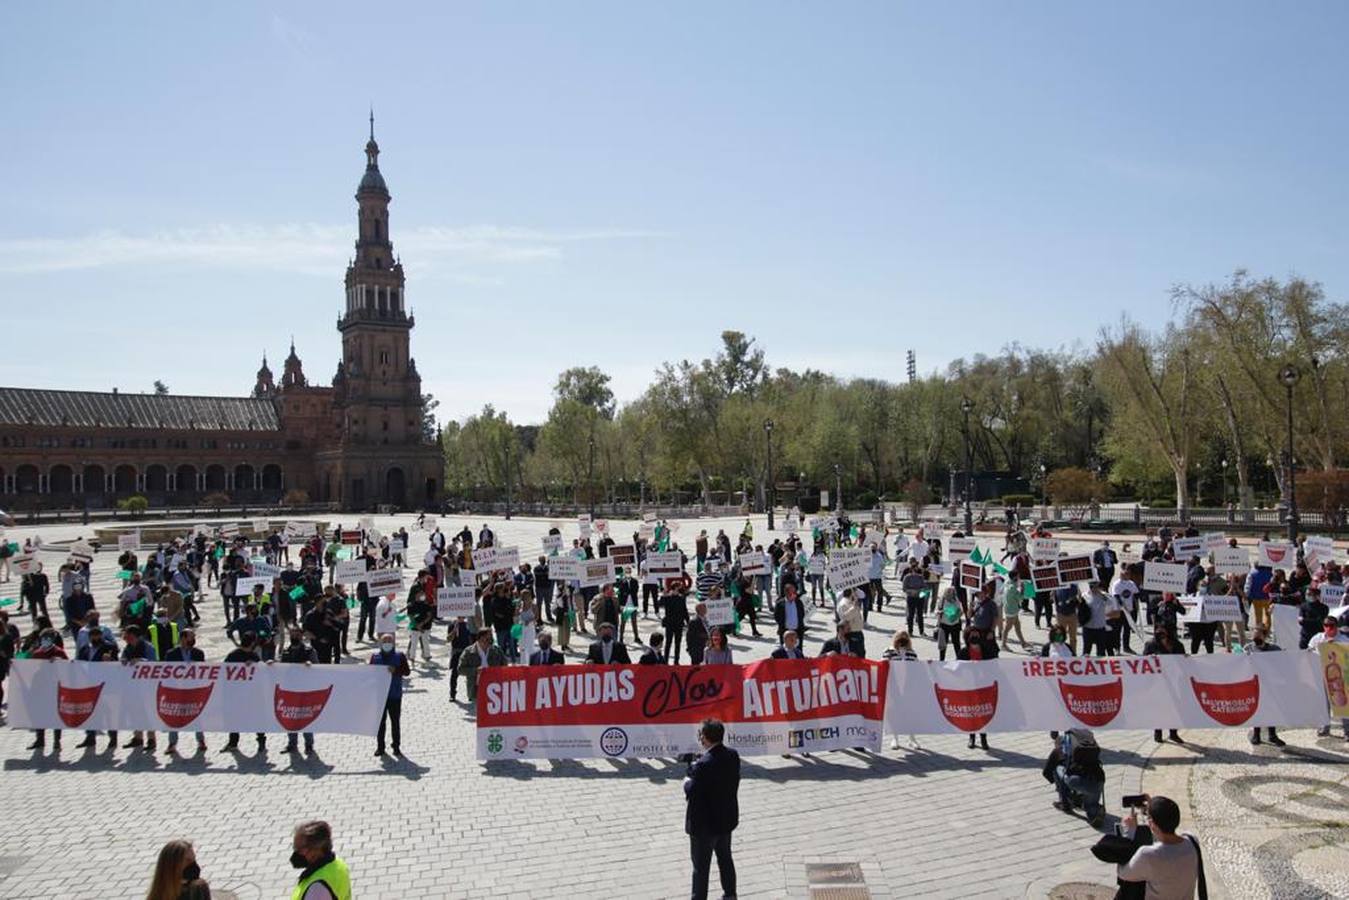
(613, 741)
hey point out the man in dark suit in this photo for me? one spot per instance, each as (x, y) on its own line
(840, 644)
(654, 653)
(606, 649)
(546, 655)
(713, 811)
(674, 616)
(791, 646)
(697, 634)
(789, 613)
(186, 651)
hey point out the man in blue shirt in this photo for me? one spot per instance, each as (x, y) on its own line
(389, 655)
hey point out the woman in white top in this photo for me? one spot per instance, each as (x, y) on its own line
(528, 625)
(900, 650)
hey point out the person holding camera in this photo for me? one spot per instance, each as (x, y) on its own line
(1074, 768)
(1171, 866)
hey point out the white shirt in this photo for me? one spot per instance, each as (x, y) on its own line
(918, 550)
(386, 617)
(1320, 638)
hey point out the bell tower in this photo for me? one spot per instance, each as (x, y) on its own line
(384, 458)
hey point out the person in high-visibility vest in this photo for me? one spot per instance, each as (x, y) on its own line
(323, 876)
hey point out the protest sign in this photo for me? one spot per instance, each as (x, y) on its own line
(1162, 576)
(381, 582)
(791, 524)
(1332, 595)
(1076, 569)
(720, 611)
(452, 602)
(1214, 540)
(649, 517)
(564, 568)
(665, 564)
(1044, 548)
(552, 543)
(23, 564)
(264, 569)
(1207, 608)
(262, 525)
(768, 707)
(1275, 554)
(933, 531)
(1055, 694)
(646, 531)
(244, 586)
(129, 541)
(1286, 627)
(959, 548)
(971, 575)
(848, 568)
(602, 526)
(1129, 554)
(623, 555)
(1046, 576)
(495, 559)
(349, 571)
(429, 524)
(352, 536)
(396, 546)
(1317, 549)
(583, 524)
(816, 565)
(1183, 548)
(829, 523)
(203, 696)
(229, 529)
(1231, 560)
(755, 564)
(596, 572)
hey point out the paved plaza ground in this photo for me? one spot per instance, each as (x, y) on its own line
(937, 819)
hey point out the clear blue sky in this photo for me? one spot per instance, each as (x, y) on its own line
(616, 183)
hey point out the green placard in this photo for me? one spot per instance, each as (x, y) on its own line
(297, 592)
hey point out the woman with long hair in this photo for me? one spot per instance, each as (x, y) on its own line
(177, 875)
(717, 653)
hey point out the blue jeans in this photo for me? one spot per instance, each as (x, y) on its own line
(1076, 790)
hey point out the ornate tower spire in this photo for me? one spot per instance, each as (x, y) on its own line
(374, 276)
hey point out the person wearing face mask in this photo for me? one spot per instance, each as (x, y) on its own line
(136, 649)
(162, 633)
(48, 646)
(77, 604)
(92, 624)
(299, 652)
(479, 655)
(186, 651)
(606, 649)
(978, 646)
(1331, 633)
(246, 653)
(388, 655)
(323, 875)
(177, 875)
(1260, 643)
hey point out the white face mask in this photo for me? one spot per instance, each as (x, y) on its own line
(386, 647)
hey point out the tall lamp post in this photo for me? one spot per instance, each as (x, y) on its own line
(590, 479)
(772, 489)
(838, 487)
(966, 407)
(1289, 377)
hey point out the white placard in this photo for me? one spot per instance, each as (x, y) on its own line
(596, 572)
(791, 524)
(495, 559)
(262, 525)
(129, 541)
(816, 565)
(623, 555)
(380, 582)
(396, 547)
(229, 529)
(646, 531)
(429, 524)
(349, 571)
(1182, 549)
(1214, 540)
(720, 612)
(552, 543)
(960, 548)
(665, 564)
(1231, 560)
(266, 570)
(649, 518)
(243, 587)
(1317, 549)
(1163, 576)
(23, 564)
(755, 564)
(452, 602)
(848, 568)
(602, 526)
(1332, 595)
(1211, 608)
(564, 568)
(1276, 555)
(1044, 548)
(932, 531)
(297, 529)
(583, 525)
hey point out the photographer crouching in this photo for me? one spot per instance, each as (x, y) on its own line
(1074, 768)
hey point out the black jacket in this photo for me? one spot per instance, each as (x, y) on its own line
(712, 790)
(674, 611)
(549, 657)
(619, 654)
(182, 654)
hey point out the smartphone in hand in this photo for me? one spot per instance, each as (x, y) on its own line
(1134, 801)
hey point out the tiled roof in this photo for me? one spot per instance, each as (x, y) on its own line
(90, 409)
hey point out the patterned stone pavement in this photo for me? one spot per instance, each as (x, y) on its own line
(936, 819)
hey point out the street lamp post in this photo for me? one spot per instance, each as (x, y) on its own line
(838, 487)
(1224, 465)
(772, 489)
(966, 407)
(1289, 376)
(590, 479)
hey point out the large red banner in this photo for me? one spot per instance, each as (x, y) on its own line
(770, 706)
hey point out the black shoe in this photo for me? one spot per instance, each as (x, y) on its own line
(1175, 736)
(379, 751)
(1157, 736)
(231, 747)
(398, 753)
(1277, 741)
(87, 742)
(37, 745)
(971, 742)
(1255, 739)
(983, 741)
(292, 748)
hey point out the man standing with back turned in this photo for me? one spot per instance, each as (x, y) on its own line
(712, 789)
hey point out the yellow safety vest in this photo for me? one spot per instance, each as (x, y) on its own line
(334, 875)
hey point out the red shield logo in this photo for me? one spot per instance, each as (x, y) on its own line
(968, 710)
(296, 710)
(1228, 704)
(75, 705)
(179, 706)
(1093, 704)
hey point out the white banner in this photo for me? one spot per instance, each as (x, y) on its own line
(1161, 576)
(207, 696)
(349, 571)
(382, 582)
(1120, 692)
(1231, 560)
(755, 564)
(494, 559)
(1276, 555)
(456, 601)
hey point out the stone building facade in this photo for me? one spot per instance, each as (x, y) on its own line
(357, 443)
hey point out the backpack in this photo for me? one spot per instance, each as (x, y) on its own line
(1080, 751)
